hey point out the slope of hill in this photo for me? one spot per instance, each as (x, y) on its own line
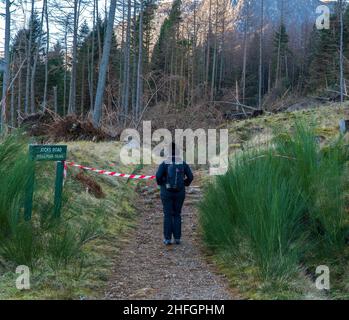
(103, 218)
(115, 212)
(241, 270)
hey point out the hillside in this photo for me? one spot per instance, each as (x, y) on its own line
(251, 138)
(99, 211)
(118, 212)
(208, 272)
(254, 132)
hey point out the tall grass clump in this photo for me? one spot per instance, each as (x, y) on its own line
(16, 235)
(279, 203)
(321, 175)
(56, 242)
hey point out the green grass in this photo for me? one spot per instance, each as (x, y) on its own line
(17, 240)
(70, 257)
(281, 210)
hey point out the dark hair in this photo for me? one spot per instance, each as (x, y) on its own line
(173, 149)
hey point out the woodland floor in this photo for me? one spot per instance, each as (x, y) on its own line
(147, 269)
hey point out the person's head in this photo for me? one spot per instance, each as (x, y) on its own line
(173, 153)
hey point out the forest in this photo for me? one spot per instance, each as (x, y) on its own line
(112, 63)
(273, 74)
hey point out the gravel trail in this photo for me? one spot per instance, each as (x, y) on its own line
(146, 269)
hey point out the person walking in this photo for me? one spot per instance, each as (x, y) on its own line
(173, 175)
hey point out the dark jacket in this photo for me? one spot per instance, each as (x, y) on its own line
(162, 172)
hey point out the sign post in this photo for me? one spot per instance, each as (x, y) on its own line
(58, 188)
(56, 153)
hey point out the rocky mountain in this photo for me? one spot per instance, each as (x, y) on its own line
(296, 14)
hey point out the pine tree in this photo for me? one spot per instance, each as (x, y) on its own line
(84, 44)
(56, 68)
(323, 58)
(167, 41)
(150, 7)
(281, 53)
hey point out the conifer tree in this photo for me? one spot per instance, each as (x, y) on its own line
(281, 53)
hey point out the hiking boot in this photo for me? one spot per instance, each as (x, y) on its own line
(177, 241)
(167, 242)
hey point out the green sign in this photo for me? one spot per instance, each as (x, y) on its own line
(56, 153)
(48, 152)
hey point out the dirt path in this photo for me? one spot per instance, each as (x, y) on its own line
(146, 269)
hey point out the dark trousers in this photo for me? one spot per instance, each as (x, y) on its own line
(172, 203)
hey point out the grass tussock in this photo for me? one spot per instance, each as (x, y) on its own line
(282, 208)
(69, 257)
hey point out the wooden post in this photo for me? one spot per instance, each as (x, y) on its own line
(58, 188)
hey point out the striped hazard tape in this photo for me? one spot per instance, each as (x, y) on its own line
(105, 172)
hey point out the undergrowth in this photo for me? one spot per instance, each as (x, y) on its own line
(68, 257)
(280, 208)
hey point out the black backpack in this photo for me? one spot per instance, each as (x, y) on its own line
(175, 177)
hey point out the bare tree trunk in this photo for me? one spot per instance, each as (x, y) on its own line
(47, 51)
(261, 56)
(247, 13)
(55, 99)
(278, 61)
(104, 66)
(194, 55)
(12, 103)
(244, 65)
(277, 74)
(170, 90)
(174, 65)
(6, 74)
(222, 47)
(19, 95)
(126, 78)
(208, 46)
(72, 90)
(134, 63)
(139, 94)
(213, 75)
(29, 49)
(91, 76)
(98, 34)
(122, 54)
(237, 95)
(269, 77)
(341, 59)
(36, 57)
(65, 67)
(182, 77)
(82, 100)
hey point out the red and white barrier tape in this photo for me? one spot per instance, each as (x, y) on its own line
(105, 172)
(65, 171)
